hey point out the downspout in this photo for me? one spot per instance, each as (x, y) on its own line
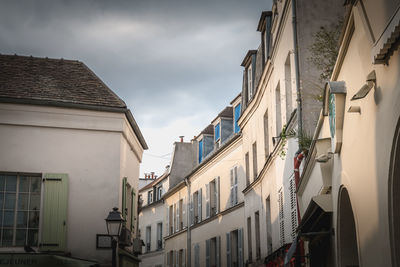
(188, 234)
(300, 153)
(297, 72)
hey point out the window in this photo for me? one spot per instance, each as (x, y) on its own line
(171, 219)
(281, 217)
(200, 150)
(175, 219)
(237, 116)
(269, 225)
(196, 207)
(170, 258)
(254, 161)
(213, 247)
(181, 258)
(128, 204)
(217, 132)
(234, 248)
(250, 82)
(197, 255)
(278, 112)
(234, 187)
(249, 243)
(159, 236)
(20, 209)
(149, 197)
(266, 134)
(159, 192)
(257, 229)
(148, 238)
(247, 168)
(288, 88)
(180, 213)
(212, 197)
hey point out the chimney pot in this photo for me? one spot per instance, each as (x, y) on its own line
(181, 137)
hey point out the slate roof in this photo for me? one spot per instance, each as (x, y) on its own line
(56, 80)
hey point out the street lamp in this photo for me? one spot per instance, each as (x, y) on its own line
(114, 223)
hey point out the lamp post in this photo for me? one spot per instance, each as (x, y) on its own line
(114, 223)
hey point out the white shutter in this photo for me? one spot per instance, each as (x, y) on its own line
(218, 249)
(208, 246)
(217, 194)
(207, 200)
(200, 196)
(191, 210)
(240, 246)
(232, 189)
(228, 250)
(174, 220)
(167, 223)
(177, 217)
(184, 219)
(236, 185)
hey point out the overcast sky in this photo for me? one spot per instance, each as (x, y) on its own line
(176, 63)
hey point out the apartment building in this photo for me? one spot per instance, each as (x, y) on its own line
(205, 211)
(348, 190)
(275, 77)
(153, 223)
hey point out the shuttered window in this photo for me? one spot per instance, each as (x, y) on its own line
(196, 255)
(234, 187)
(281, 217)
(55, 203)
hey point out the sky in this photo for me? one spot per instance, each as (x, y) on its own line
(175, 63)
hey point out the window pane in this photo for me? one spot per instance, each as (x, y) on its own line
(10, 201)
(33, 219)
(33, 237)
(35, 184)
(2, 180)
(35, 202)
(20, 237)
(11, 183)
(23, 201)
(7, 237)
(1, 200)
(23, 184)
(22, 219)
(8, 219)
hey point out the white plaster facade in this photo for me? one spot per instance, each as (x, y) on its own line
(95, 148)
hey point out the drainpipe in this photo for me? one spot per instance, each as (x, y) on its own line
(188, 235)
(297, 72)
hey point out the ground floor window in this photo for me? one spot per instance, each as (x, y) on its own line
(19, 209)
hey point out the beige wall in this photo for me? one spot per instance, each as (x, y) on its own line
(92, 147)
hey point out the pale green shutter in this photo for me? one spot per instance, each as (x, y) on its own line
(124, 198)
(55, 204)
(133, 211)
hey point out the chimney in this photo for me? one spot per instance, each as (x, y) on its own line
(152, 175)
(181, 137)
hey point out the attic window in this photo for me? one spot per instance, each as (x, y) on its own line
(200, 150)
(217, 133)
(250, 82)
(237, 115)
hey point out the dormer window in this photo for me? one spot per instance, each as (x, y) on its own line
(217, 131)
(200, 150)
(250, 82)
(237, 115)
